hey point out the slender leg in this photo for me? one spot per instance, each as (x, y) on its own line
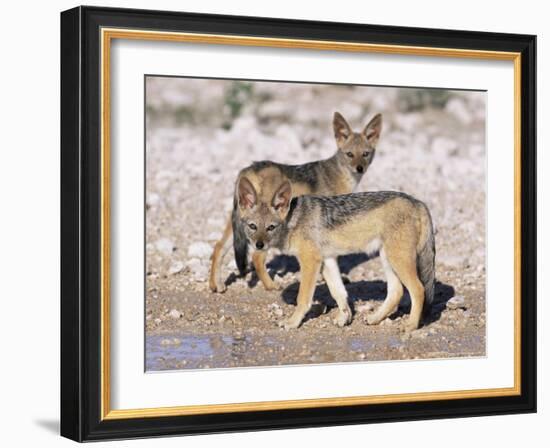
(258, 259)
(416, 290)
(309, 267)
(403, 261)
(393, 296)
(216, 282)
(331, 274)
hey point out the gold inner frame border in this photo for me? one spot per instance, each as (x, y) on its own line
(107, 35)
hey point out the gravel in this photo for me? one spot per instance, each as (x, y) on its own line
(200, 250)
(176, 267)
(194, 152)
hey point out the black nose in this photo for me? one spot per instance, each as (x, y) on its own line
(259, 245)
(360, 168)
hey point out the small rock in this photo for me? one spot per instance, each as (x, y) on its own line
(199, 250)
(176, 267)
(275, 309)
(175, 314)
(455, 303)
(164, 246)
(158, 320)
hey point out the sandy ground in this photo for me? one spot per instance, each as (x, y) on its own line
(201, 133)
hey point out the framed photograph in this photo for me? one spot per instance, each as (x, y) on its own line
(276, 224)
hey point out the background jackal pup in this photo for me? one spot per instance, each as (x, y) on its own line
(338, 174)
(318, 229)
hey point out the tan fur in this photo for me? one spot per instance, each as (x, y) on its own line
(331, 274)
(398, 228)
(310, 260)
(258, 259)
(220, 249)
(265, 182)
(341, 176)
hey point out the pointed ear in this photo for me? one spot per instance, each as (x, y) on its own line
(341, 129)
(373, 129)
(247, 193)
(282, 197)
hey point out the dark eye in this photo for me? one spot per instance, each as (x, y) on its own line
(349, 154)
(366, 154)
(252, 226)
(270, 228)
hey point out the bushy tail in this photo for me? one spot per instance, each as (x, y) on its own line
(425, 261)
(240, 244)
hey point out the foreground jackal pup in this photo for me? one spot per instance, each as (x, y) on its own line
(317, 229)
(338, 174)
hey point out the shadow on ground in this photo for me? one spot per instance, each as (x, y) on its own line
(285, 264)
(370, 290)
(362, 290)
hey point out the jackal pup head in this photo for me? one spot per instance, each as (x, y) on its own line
(357, 148)
(264, 222)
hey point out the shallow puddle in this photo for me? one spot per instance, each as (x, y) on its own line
(204, 351)
(184, 351)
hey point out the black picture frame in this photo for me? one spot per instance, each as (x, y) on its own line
(81, 224)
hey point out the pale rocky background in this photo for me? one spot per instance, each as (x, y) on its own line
(200, 133)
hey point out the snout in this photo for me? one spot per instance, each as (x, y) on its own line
(360, 169)
(259, 245)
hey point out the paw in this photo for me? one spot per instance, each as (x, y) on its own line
(343, 318)
(217, 286)
(291, 323)
(273, 285)
(408, 327)
(220, 289)
(373, 319)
